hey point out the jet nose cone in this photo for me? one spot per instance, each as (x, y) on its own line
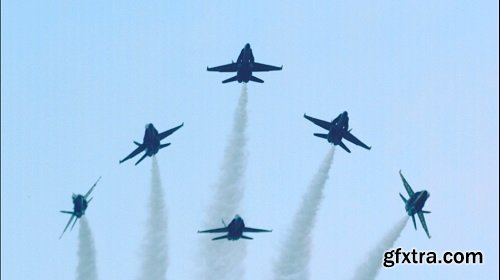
(149, 125)
(247, 46)
(344, 113)
(237, 216)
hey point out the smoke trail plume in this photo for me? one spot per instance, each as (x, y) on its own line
(155, 257)
(293, 262)
(371, 267)
(224, 260)
(86, 269)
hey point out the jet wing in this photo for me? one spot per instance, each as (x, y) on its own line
(92, 188)
(422, 221)
(233, 67)
(351, 138)
(324, 124)
(259, 67)
(217, 230)
(69, 222)
(168, 132)
(407, 186)
(247, 229)
(134, 153)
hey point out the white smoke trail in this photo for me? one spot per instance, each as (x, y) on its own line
(155, 257)
(371, 267)
(293, 262)
(222, 259)
(86, 269)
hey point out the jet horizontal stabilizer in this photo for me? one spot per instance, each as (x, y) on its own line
(137, 143)
(246, 237)
(164, 145)
(220, 237)
(232, 79)
(321, 135)
(255, 79)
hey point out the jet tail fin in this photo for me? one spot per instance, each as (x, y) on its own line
(74, 224)
(321, 135)
(403, 198)
(220, 237)
(341, 144)
(143, 157)
(232, 79)
(165, 145)
(255, 79)
(246, 237)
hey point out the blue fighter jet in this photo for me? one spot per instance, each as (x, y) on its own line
(151, 142)
(415, 204)
(338, 129)
(244, 67)
(80, 204)
(234, 230)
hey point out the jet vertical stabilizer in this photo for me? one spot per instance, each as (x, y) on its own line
(403, 198)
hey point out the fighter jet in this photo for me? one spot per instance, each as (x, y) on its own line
(234, 230)
(151, 142)
(338, 129)
(415, 204)
(80, 204)
(244, 67)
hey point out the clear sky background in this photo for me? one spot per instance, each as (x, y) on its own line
(80, 79)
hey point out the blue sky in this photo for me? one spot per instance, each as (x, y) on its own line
(80, 79)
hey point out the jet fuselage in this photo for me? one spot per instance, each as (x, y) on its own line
(245, 64)
(235, 228)
(416, 202)
(79, 205)
(151, 140)
(339, 126)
